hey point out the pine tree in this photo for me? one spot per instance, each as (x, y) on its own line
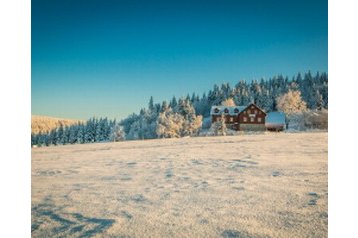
(151, 104)
(60, 135)
(81, 138)
(173, 103)
(319, 100)
(73, 134)
(117, 133)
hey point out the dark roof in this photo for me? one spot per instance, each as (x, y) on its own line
(231, 110)
(253, 105)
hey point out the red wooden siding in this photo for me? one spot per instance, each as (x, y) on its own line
(253, 115)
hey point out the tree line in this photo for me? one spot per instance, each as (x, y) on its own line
(186, 116)
(93, 130)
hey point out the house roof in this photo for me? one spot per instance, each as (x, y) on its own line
(275, 118)
(254, 105)
(231, 109)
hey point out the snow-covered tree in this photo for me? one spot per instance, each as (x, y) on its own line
(219, 127)
(60, 135)
(169, 124)
(151, 104)
(173, 103)
(72, 138)
(228, 102)
(192, 123)
(81, 134)
(291, 102)
(34, 139)
(319, 100)
(117, 133)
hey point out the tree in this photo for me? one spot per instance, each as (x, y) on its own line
(73, 130)
(291, 102)
(173, 103)
(169, 124)
(81, 138)
(219, 127)
(60, 135)
(151, 104)
(34, 139)
(228, 102)
(117, 133)
(192, 123)
(319, 100)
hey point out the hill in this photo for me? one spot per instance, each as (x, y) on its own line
(258, 185)
(45, 123)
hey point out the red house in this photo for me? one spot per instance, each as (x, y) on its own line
(249, 117)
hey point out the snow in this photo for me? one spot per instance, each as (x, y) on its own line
(185, 187)
(231, 110)
(275, 118)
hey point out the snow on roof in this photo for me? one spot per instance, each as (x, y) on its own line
(231, 110)
(275, 118)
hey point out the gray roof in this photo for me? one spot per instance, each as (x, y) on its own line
(230, 108)
(275, 118)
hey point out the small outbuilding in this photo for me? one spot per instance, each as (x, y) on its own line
(275, 121)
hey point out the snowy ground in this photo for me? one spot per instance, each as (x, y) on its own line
(268, 185)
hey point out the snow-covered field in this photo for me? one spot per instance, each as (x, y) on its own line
(267, 185)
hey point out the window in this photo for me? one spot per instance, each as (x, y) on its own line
(252, 119)
(252, 107)
(216, 110)
(245, 119)
(255, 111)
(226, 110)
(259, 119)
(236, 110)
(259, 112)
(248, 111)
(231, 119)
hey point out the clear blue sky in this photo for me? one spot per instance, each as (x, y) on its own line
(107, 57)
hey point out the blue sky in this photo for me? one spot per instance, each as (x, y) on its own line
(106, 58)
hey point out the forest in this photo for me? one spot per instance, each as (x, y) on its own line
(186, 116)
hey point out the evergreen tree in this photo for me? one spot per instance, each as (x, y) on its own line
(73, 134)
(151, 104)
(33, 139)
(117, 133)
(60, 136)
(81, 135)
(173, 103)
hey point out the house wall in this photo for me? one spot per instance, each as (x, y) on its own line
(235, 122)
(252, 112)
(215, 118)
(275, 127)
(252, 127)
(231, 124)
